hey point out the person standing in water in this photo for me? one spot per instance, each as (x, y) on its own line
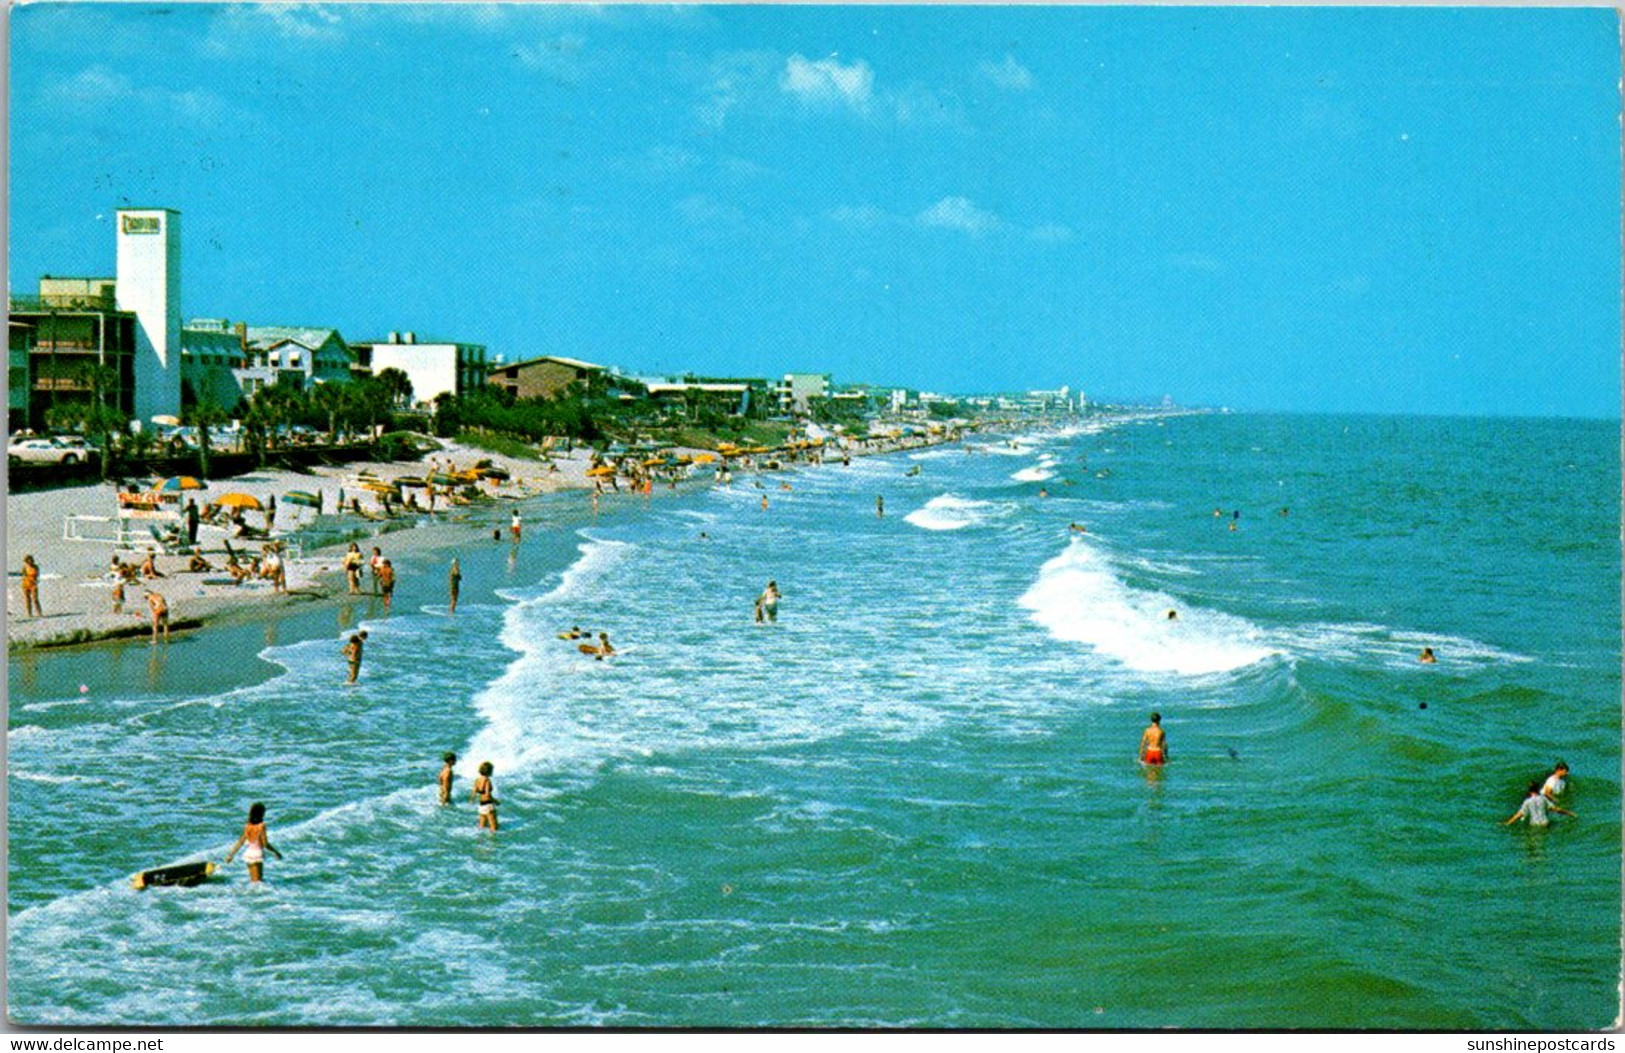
(1154, 742)
(160, 615)
(386, 581)
(31, 588)
(257, 843)
(484, 794)
(1427, 656)
(513, 524)
(353, 562)
(767, 604)
(1534, 808)
(1556, 782)
(880, 507)
(446, 777)
(352, 653)
(454, 581)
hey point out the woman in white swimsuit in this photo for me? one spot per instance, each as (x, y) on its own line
(256, 841)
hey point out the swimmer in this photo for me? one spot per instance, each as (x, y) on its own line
(575, 633)
(768, 602)
(1154, 742)
(764, 502)
(1078, 528)
(880, 507)
(1556, 782)
(352, 653)
(446, 777)
(1427, 656)
(784, 486)
(604, 649)
(1173, 615)
(1042, 492)
(454, 581)
(513, 525)
(484, 794)
(1534, 808)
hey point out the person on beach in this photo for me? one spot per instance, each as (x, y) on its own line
(386, 581)
(1154, 742)
(31, 588)
(191, 522)
(446, 777)
(1556, 782)
(513, 524)
(149, 567)
(484, 794)
(353, 561)
(118, 596)
(196, 564)
(767, 604)
(454, 582)
(352, 654)
(1427, 656)
(373, 563)
(274, 570)
(254, 842)
(160, 614)
(880, 506)
(1534, 808)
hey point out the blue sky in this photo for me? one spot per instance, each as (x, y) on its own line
(1314, 209)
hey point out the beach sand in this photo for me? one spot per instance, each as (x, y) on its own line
(76, 594)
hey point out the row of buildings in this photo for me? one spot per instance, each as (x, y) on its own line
(122, 339)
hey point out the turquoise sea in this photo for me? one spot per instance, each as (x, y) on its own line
(913, 801)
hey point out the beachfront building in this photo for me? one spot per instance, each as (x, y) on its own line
(214, 363)
(301, 355)
(797, 390)
(435, 367)
(548, 376)
(67, 345)
(731, 399)
(149, 285)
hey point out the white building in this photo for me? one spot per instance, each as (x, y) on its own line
(796, 390)
(149, 284)
(435, 367)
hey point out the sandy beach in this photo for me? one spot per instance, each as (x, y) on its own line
(76, 592)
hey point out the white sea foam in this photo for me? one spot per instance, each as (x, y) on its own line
(1079, 599)
(1035, 474)
(951, 512)
(1395, 648)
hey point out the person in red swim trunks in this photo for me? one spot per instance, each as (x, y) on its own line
(1154, 742)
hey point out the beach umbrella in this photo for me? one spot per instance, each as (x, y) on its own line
(304, 498)
(605, 470)
(179, 482)
(238, 501)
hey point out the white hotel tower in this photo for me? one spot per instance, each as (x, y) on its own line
(149, 284)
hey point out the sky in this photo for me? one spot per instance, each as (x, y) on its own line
(1314, 210)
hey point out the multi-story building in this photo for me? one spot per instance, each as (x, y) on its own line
(149, 285)
(435, 367)
(548, 376)
(797, 390)
(66, 345)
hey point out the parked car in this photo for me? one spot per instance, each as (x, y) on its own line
(48, 451)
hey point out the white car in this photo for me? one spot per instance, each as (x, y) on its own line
(47, 451)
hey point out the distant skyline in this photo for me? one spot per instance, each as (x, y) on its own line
(1368, 210)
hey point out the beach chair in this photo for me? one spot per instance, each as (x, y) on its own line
(169, 541)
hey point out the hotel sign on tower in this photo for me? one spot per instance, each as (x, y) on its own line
(149, 284)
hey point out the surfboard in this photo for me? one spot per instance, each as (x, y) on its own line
(184, 875)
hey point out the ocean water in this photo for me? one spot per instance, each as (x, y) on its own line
(913, 801)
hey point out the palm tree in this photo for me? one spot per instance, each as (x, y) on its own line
(397, 385)
(203, 415)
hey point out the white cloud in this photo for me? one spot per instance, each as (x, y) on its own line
(958, 213)
(98, 90)
(560, 57)
(826, 82)
(242, 28)
(732, 78)
(1009, 74)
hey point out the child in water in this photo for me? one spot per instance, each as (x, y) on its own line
(446, 776)
(258, 843)
(484, 794)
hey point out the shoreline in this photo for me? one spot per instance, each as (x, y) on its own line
(314, 578)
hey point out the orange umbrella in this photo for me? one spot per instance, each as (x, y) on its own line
(238, 501)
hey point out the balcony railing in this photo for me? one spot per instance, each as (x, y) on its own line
(61, 302)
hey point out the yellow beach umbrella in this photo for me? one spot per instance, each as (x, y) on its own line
(238, 501)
